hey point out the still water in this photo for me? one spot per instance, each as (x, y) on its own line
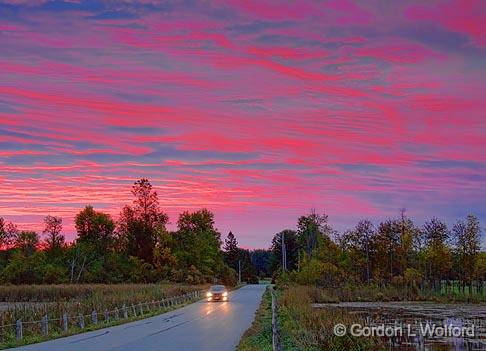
(424, 326)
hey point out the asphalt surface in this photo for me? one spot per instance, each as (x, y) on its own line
(211, 326)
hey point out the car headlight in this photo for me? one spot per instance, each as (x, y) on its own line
(225, 293)
(208, 294)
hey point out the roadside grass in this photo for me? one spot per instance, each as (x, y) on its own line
(259, 336)
(74, 300)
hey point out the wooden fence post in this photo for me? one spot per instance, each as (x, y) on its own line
(18, 329)
(45, 325)
(125, 311)
(94, 317)
(117, 313)
(81, 321)
(65, 322)
(141, 309)
(134, 310)
(106, 315)
(275, 329)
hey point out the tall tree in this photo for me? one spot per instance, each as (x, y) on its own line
(8, 232)
(236, 258)
(387, 241)
(437, 252)
(467, 235)
(309, 230)
(231, 251)
(138, 225)
(291, 246)
(198, 242)
(53, 227)
(95, 229)
(407, 252)
(358, 244)
(4, 238)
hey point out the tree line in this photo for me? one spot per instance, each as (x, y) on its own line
(137, 247)
(396, 252)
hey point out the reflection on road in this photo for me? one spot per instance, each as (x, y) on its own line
(211, 307)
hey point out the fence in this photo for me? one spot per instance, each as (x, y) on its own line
(276, 345)
(65, 323)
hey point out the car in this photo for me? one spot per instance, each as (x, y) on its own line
(217, 293)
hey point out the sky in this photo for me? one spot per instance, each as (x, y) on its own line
(256, 110)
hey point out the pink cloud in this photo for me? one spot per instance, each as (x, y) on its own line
(259, 115)
(457, 16)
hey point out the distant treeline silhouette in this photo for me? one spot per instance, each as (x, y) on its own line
(395, 253)
(138, 247)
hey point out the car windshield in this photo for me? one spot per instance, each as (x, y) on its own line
(217, 288)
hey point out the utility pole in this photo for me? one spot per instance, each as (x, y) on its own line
(284, 253)
(239, 271)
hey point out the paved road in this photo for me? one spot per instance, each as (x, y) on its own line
(200, 326)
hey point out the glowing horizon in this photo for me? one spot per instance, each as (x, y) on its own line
(255, 110)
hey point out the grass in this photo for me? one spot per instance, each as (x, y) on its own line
(372, 293)
(107, 293)
(31, 302)
(259, 336)
(309, 329)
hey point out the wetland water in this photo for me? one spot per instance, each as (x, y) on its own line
(417, 321)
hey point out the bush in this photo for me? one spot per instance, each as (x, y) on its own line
(23, 269)
(141, 271)
(54, 274)
(315, 272)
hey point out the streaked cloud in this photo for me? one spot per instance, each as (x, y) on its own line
(255, 110)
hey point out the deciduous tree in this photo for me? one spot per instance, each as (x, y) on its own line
(467, 236)
(53, 227)
(27, 241)
(95, 229)
(138, 224)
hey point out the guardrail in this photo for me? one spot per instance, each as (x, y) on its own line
(276, 345)
(81, 321)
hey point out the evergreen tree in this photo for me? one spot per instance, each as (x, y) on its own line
(231, 251)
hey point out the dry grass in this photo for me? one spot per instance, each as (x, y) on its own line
(307, 328)
(31, 302)
(374, 293)
(82, 292)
